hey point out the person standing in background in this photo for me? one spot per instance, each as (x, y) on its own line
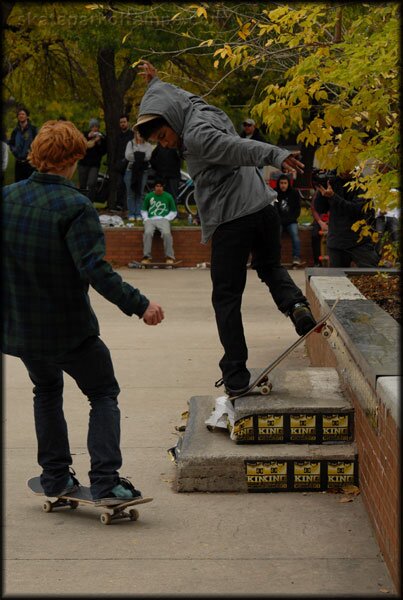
(250, 131)
(289, 207)
(167, 165)
(20, 144)
(125, 136)
(138, 154)
(88, 166)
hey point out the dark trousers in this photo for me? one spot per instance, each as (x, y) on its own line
(363, 256)
(90, 365)
(257, 235)
(172, 186)
(22, 170)
(88, 177)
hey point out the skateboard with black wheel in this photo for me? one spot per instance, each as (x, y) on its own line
(83, 496)
(153, 265)
(262, 380)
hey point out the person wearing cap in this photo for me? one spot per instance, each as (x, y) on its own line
(53, 250)
(88, 166)
(20, 143)
(235, 206)
(250, 131)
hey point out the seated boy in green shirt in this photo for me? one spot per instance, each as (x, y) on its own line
(158, 210)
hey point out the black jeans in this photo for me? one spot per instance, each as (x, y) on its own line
(257, 234)
(91, 367)
(363, 256)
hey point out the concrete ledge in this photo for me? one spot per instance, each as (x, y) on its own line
(366, 330)
(209, 461)
(388, 390)
(365, 353)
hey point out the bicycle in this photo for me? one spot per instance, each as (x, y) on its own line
(187, 197)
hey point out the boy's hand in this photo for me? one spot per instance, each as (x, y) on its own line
(328, 192)
(153, 314)
(146, 70)
(292, 164)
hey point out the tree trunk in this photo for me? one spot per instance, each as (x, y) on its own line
(113, 93)
(113, 107)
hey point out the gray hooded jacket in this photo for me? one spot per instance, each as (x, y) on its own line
(228, 185)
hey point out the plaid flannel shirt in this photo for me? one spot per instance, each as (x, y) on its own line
(53, 249)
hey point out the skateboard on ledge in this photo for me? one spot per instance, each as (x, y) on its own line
(153, 265)
(83, 496)
(262, 380)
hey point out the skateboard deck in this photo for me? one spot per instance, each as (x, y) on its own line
(153, 265)
(262, 380)
(83, 496)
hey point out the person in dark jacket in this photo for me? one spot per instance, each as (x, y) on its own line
(126, 134)
(53, 250)
(236, 210)
(167, 165)
(20, 144)
(289, 208)
(345, 208)
(88, 166)
(250, 131)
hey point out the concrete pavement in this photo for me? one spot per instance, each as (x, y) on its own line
(187, 543)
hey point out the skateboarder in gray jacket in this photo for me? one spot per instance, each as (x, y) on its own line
(236, 209)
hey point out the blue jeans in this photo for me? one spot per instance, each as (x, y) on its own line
(134, 202)
(90, 365)
(292, 230)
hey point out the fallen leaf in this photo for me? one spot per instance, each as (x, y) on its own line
(384, 590)
(351, 489)
(345, 499)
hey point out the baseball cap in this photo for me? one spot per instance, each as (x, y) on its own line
(145, 118)
(248, 122)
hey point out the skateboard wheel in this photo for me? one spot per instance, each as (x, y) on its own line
(265, 390)
(73, 504)
(106, 519)
(47, 506)
(134, 514)
(327, 331)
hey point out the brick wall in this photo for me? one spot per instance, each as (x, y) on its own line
(124, 245)
(378, 447)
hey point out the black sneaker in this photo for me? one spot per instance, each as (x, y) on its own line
(302, 318)
(124, 491)
(230, 391)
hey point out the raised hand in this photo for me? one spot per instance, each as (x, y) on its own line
(146, 70)
(292, 164)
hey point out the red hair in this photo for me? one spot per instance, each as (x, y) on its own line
(59, 144)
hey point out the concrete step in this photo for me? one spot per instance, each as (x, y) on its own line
(209, 461)
(306, 405)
